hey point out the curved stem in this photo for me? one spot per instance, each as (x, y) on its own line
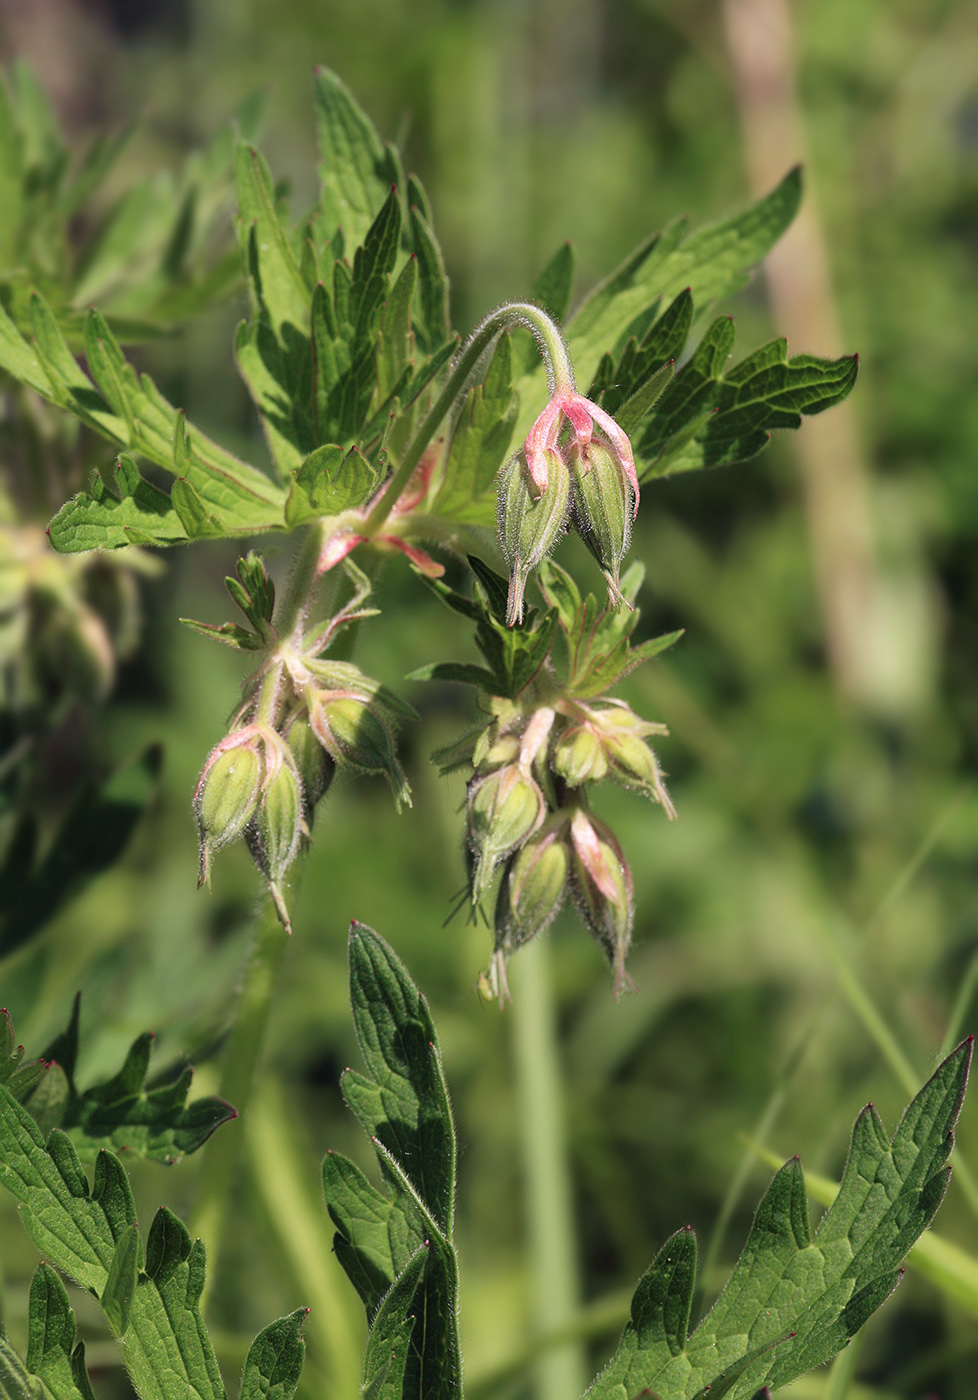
(560, 374)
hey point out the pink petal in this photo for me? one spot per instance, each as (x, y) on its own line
(619, 441)
(418, 557)
(541, 436)
(337, 547)
(588, 847)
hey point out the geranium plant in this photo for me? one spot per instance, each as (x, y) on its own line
(460, 462)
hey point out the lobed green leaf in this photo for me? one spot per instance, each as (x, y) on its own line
(794, 1300)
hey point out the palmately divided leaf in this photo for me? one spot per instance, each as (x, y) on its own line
(396, 1244)
(793, 1300)
(149, 1117)
(711, 416)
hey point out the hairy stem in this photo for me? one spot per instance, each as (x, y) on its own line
(548, 336)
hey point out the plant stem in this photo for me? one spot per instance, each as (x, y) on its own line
(241, 1056)
(548, 336)
(559, 1373)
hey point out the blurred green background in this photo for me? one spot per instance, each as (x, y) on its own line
(823, 703)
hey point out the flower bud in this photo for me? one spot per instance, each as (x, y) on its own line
(603, 508)
(603, 890)
(530, 520)
(273, 835)
(630, 760)
(533, 887)
(316, 767)
(355, 736)
(227, 794)
(504, 809)
(579, 756)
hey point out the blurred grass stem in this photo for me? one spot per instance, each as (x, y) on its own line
(559, 1372)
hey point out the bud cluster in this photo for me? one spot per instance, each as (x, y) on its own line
(527, 810)
(262, 782)
(590, 480)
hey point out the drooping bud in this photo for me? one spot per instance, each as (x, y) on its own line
(603, 505)
(357, 737)
(228, 793)
(530, 520)
(316, 767)
(533, 887)
(504, 809)
(630, 760)
(603, 889)
(273, 834)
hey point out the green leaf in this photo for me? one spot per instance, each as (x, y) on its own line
(329, 481)
(409, 1113)
(712, 262)
(713, 416)
(378, 1232)
(792, 1300)
(353, 170)
(51, 1355)
(91, 839)
(278, 285)
(432, 321)
(389, 1343)
(120, 1286)
(396, 1244)
(136, 512)
(148, 1117)
(274, 1362)
(480, 444)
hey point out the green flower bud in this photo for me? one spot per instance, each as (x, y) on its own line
(274, 833)
(355, 736)
(579, 756)
(316, 767)
(603, 890)
(604, 504)
(529, 521)
(227, 795)
(504, 809)
(630, 760)
(533, 888)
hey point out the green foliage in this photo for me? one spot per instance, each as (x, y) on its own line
(150, 1299)
(792, 1301)
(91, 838)
(348, 340)
(790, 1304)
(148, 1117)
(150, 261)
(396, 1244)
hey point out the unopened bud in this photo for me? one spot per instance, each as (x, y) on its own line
(227, 794)
(273, 835)
(604, 504)
(533, 888)
(579, 756)
(630, 760)
(504, 809)
(603, 890)
(356, 737)
(530, 520)
(316, 767)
